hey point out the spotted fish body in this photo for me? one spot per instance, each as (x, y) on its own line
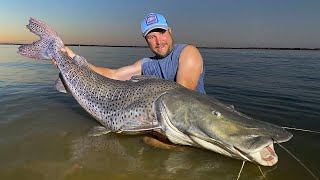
(145, 103)
(121, 106)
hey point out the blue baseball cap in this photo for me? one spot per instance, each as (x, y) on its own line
(153, 21)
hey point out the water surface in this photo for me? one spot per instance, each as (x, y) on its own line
(43, 133)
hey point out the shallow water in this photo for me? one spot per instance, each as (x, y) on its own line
(43, 133)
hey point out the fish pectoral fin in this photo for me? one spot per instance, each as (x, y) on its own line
(98, 131)
(60, 85)
(162, 145)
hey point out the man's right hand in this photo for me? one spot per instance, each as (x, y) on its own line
(68, 51)
(65, 49)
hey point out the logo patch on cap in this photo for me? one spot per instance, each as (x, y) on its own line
(151, 19)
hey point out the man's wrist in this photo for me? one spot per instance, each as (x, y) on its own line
(72, 55)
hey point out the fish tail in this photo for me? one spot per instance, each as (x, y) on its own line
(49, 42)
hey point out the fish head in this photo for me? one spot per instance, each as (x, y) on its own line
(198, 120)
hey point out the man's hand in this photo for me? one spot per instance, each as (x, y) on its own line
(68, 51)
(54, 62)
(65, 49)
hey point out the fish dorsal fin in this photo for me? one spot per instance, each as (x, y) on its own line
(98, 131)
(60, 85)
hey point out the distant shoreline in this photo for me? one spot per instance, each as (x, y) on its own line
(201, 47)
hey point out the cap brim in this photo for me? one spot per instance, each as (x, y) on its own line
(155, 27)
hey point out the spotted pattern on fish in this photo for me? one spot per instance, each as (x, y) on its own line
(121, 106)
(118, 105)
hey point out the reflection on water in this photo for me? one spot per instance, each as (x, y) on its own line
(44, 134)
(70, 156)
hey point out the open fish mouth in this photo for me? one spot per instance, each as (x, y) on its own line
(268, 153)
(265, 157)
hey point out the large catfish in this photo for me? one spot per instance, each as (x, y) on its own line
(145, 104)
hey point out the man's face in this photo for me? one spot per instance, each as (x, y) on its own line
(160, 42)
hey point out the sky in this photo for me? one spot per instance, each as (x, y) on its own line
(204, 23)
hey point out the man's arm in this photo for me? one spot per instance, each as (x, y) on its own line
(123, 73)
(190, 67)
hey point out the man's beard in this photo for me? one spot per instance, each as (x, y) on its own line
(160, 56)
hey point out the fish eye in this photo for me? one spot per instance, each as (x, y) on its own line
(216, 113)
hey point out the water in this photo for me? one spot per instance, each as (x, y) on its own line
(43, 133)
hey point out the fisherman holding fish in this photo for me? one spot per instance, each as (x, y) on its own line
(179, 115)
(143, 104)
(181, 63)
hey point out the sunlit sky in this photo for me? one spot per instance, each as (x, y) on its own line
(224, 23)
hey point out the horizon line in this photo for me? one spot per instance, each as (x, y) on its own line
(201, 47)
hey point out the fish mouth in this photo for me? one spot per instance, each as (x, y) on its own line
(266, 156)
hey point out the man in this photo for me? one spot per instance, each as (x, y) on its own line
(177, 62)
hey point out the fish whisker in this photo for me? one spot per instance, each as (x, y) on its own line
(298, 129)
(241, 170)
